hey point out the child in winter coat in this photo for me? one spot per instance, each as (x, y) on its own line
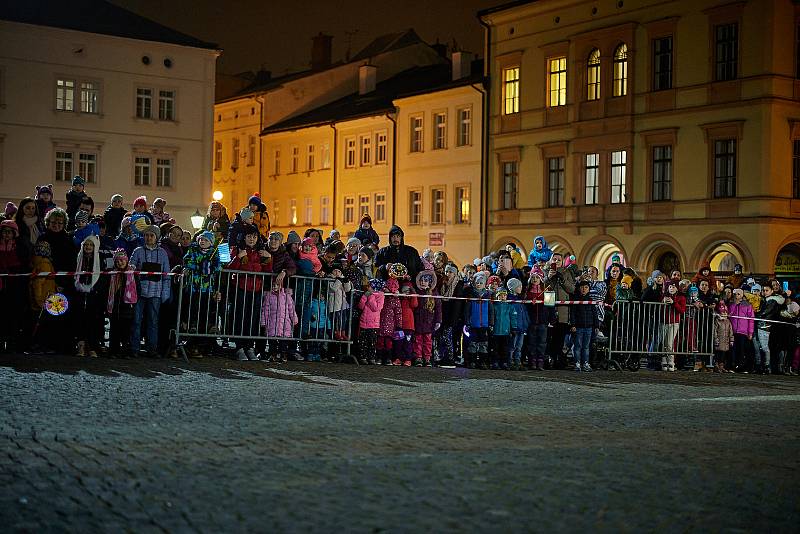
(41, 286)
(308, 251)
(338, 289)
(242, 223)
(365, 233)
(75, 195)
(723, 340)
(540, 317)
(371, 305)
(114, 214)
(83, 228)
(315, 325)
(89, 303)
(676, 307)
(583, 321)
(140, 218)
(403, 345)
(519, 323)
(217, 221)
(246, 309)
(278, 318)
(624, 291)
(391, 322)
(427, 318)
(477, 320)
(127, 239)
(501, 330)
(365, 263)
(743, 325)
(201, 286)
(122, 297)
(44, 199)
(157, 212)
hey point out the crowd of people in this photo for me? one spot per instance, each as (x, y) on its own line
(395, 305)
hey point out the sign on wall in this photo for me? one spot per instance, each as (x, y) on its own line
(436, 239)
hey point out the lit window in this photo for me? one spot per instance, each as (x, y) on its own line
(349, 210)
(65, 95)
(416, 134)
(593, 75)
(619, 160)
(144, 103)
(90, 97)
(440, 130)
(380, 207)
(308, 213)
(380, 148)
(350, 152)
(414, 207)
(726, 51)
(662, 172)
(292, 211)
(620, 82)
(217, 155)
(437, 206)
(558, 81)
(363, 204)
(325, 156)
(63, 166)
(555, 182)
(464, 126)
(366, 149)
(163, 172)
(725, 168)
(166, 105)
(510, 175)
(324, 210)
(310, 158)
(592, 170)
(462, 205)
(510, 90)
(141, 171)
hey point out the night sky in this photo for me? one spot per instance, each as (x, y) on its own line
(276, 34)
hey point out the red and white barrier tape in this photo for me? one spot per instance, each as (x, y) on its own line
(47, 274)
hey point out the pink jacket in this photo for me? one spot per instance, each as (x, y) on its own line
(742, 326)
(278, 314)
(371, 307)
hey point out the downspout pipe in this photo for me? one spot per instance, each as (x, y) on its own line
(394, 163)
(260, 100)
(487, 85)
(333, 201)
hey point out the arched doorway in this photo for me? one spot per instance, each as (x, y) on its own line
(787, 262)
(724, 256)
(601, 251)
(658, 251)
(722, 250)
(667, 261)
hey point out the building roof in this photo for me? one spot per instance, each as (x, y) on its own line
(95, 16)
(414, 81)
(503, 7)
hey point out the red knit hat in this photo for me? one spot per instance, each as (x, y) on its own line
(142, 200)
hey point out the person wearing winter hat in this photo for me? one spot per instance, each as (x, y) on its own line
(83, 228)
(308, 252)
(141, 218)
(120, 303)
(352, 248)
(741, 317)
(114, 214)
(260, 215)
(737, 278)
(241, 223)
(88, 299)
(74, 196)
(283, 264)
(127, 238)
(364, 262)
(519, 322)
(624, 291)
(10, 211)
(158, 213)
(671, 323)
(477, 321)
(44, 199)
(370, 304)
(154, 289)
(333, 235)
(366, 233)
(293, 237)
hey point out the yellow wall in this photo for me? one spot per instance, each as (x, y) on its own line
(237, 119)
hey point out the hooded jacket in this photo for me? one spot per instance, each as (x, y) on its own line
(371, 306)
(739, 325)
(543, 255)
(770, 309)
(402, 253)
(369, 234)
(711, 279)
(278, 314)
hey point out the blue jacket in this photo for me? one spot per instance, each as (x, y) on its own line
(478, 314)
(502, 317)
(539, 255)
(82, 233)
(519, 315)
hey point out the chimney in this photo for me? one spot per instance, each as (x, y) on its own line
(462, 65)
(441, 49)
(367, 76)
(321, 51)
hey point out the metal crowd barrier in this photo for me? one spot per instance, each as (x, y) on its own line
(649, 328)
(232, 305)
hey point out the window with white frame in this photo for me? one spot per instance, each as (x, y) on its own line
(380, 207)
(65, 95)
(555, 181)
(415, 207)
(620, 81)
(592, 170)
(166, 105)
(164, 172)
(511, 90)
(295, 159)
(90, 97)
(144, 103)
(366, 149)
(464, 126)
(292, 211)
(276, 162)
(325, 156)
(416, 134)
(276, 210)
(349, 209)
(141, 171)
(462, 204)
(217, 155)
(381, 144)
(619, 161)
(64, 161)
(235, 153)
(308, 211)
(363, 204)
(71, 161)
(251, 150)
(593, 75)
(557, 80)
(510, 177)
(440, 130)
(324, 210)
(662, 172)
(437, 205)
(310, 157)
(87, 166)
(350, 152)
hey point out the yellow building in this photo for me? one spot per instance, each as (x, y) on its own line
(666, 130)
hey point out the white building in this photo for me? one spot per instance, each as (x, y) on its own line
(89, 88)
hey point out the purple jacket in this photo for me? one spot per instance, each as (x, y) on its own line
(742, 326)
(391, 316)
(424, 318)
(278, 314)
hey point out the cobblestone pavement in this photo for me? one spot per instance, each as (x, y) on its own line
(217, 445)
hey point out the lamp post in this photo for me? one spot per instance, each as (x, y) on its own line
(197, 219)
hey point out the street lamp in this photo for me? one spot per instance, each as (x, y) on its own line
(217, 195)
(197, 219)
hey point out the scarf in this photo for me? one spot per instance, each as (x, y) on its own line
(129, 295)
(430, 303)
(85, 283)
(450, 286)
(33, 227)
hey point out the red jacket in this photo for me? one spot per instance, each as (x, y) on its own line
(408, 305)
(675, 310)
(254, 263)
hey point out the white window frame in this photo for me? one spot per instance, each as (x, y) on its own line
(325, 155)
(414, 207)
(439, 130)
(295, 161)
(381, 147)
(63, 157)
(591, 173)
(365, 149)
(146, 96)
(324, 210)
(308, 212)
(235, 152)
(511, 85)
(363, 203)
(89, 105)
(350, 156)
(87, 166)
(464, 126)
(348, 213)
(276, 162)
(292, 212)
(65, 94)
(167, 97)
(619, 166)
(146, 167)
(438, 205)
(217, 155)
(462, 196)
(76, 149)
(310, 155)
(164, 172)
(380, 207)
(157, 167)
(417, 133)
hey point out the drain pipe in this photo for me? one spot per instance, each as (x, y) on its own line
(487, 85)
(394, 163)
(332, 205)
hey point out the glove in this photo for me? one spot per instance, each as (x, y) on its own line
(437, 326)
(399, 335)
